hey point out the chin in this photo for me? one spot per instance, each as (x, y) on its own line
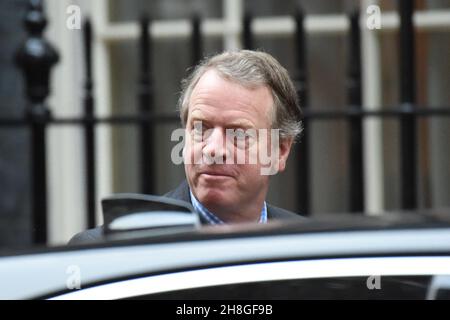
(213, 196)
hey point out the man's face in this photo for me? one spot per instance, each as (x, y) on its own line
(218, 105)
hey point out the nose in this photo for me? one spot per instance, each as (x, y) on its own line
(214, 148)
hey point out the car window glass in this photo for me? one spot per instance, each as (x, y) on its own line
(384, 287)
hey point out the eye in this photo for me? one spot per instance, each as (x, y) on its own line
(243, 138)
(240, 134)
(197, 127)
(197, 130)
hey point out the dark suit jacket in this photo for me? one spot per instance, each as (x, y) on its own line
(180, 193)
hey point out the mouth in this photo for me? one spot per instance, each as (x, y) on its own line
(215, 174)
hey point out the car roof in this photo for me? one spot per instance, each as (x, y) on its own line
(337, 222)
(324, 223)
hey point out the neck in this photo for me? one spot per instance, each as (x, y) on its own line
(251, 212)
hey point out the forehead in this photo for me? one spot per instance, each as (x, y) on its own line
(219, 99)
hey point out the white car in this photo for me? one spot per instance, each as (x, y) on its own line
(394, 256)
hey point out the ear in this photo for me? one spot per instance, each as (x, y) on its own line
(285, 148)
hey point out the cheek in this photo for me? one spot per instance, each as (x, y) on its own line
(186, 155)
(255, 151)
(190, 173)
(190, 148)
(250, 175)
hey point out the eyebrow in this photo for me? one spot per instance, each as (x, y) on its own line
(194, 119)
(240, 124)
(234, 124)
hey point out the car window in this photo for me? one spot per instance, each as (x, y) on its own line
(391, 287)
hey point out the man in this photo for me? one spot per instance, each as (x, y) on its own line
(238, 109)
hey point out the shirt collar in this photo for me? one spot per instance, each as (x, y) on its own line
(213, 219)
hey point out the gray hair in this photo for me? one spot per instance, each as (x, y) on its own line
(251, 69)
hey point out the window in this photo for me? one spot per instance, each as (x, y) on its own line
(397, 287)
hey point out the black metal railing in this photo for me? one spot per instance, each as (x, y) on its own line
(35, 58)
(302, 92)
(408, 125)
(354, 92)
(36, 66)
(89, 128)
(146, 108)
